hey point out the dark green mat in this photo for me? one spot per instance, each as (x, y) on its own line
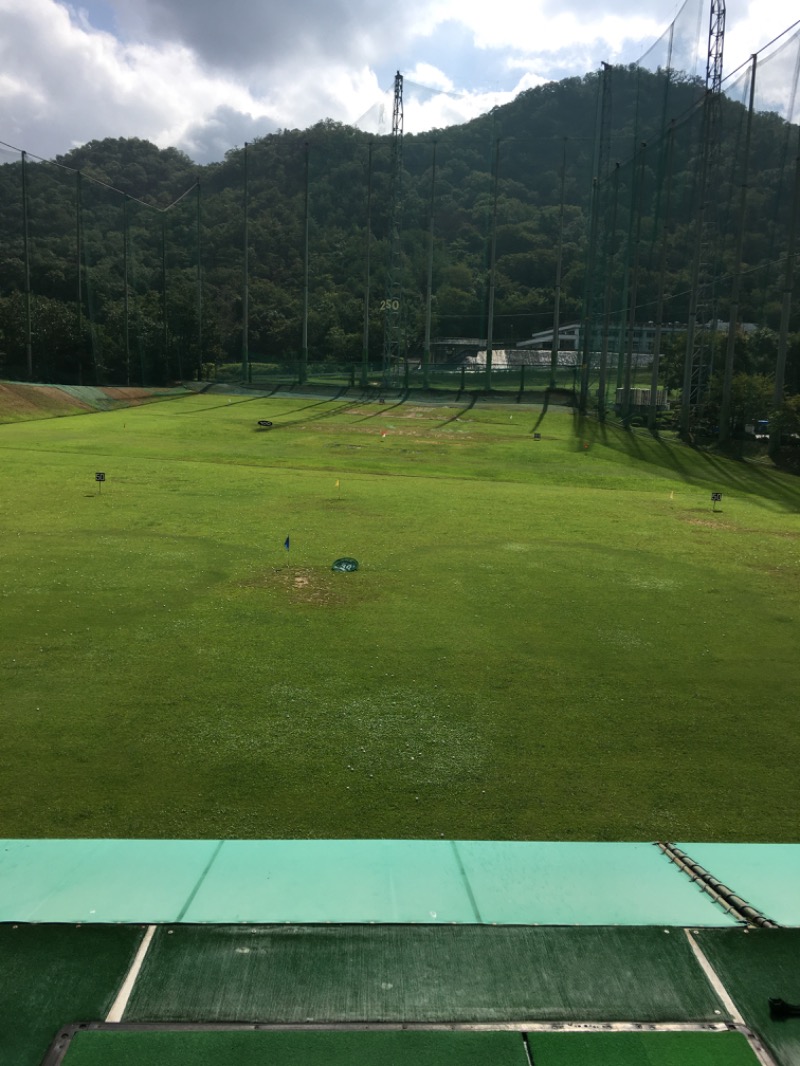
(297, 974)
(640, 1049)
(53, 975)
(296, 1049)
(756, 966)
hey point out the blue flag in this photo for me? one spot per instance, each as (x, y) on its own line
(286, 544)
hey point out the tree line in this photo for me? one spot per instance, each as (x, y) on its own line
(121, 262)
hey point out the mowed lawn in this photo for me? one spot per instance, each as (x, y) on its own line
(544, 640)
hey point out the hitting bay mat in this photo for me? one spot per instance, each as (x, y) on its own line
(298, 974)
(50, 975)
(297, 1049)
(755, 966)
(640, 1049)
(412, 1048)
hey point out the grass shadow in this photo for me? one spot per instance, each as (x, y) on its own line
(458, 414)
(691, 465)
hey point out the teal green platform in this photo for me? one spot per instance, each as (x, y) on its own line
(555, 883)
(356, 881)
(100, 880)
(766, 875)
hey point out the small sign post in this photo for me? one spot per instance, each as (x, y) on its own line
(716, 498)
(99, 478)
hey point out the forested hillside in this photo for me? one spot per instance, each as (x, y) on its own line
(161, 241)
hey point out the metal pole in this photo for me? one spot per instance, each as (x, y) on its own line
(626, 396)
(786, 307)
(79, 272)
(199, 288)
(492, 260)
(246, 288)
(27, 258)
(694, 288)
(426, 351)
(662, 267)
(611, 236)
(126, 304)
(368, 251)
(164, 325)
(557, 308)
(303, 372)
(733, 315)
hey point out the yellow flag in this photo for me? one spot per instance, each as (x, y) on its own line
(337, 483)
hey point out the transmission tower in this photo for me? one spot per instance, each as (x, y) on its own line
(702, 325)
(393, 346)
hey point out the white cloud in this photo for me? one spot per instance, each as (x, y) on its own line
(531, 28)
(204, 76)
(85, 84)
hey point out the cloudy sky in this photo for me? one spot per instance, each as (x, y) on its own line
(206, 75)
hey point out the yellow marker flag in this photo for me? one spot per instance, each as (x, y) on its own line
(671, 495)
(337, 483)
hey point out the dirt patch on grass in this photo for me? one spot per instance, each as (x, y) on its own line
(708, 523)
(305, 586)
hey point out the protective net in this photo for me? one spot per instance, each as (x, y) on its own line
(624, 239)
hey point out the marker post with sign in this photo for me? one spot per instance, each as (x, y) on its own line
(99, 478)
(716, 497)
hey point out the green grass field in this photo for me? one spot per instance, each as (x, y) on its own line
(544, 641)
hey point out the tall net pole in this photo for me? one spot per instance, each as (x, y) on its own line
(246, 279)
(199, 292)
(554, 354)
(492, 267)
(303, 369)
(652, 413)
(79, 270)
(702, 313)
(426, 350)
(786, 304)
(392, 331)
(594, 264)
(126, 293)
(27, 258)
(367, 267)
(733, 314)
(631, 357)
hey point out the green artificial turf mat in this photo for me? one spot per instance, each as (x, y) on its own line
(756, 966)
(419, 973)
(55, 975)
(641, 1049)
(296, 1049)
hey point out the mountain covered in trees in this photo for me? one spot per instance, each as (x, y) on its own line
(121, 262)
